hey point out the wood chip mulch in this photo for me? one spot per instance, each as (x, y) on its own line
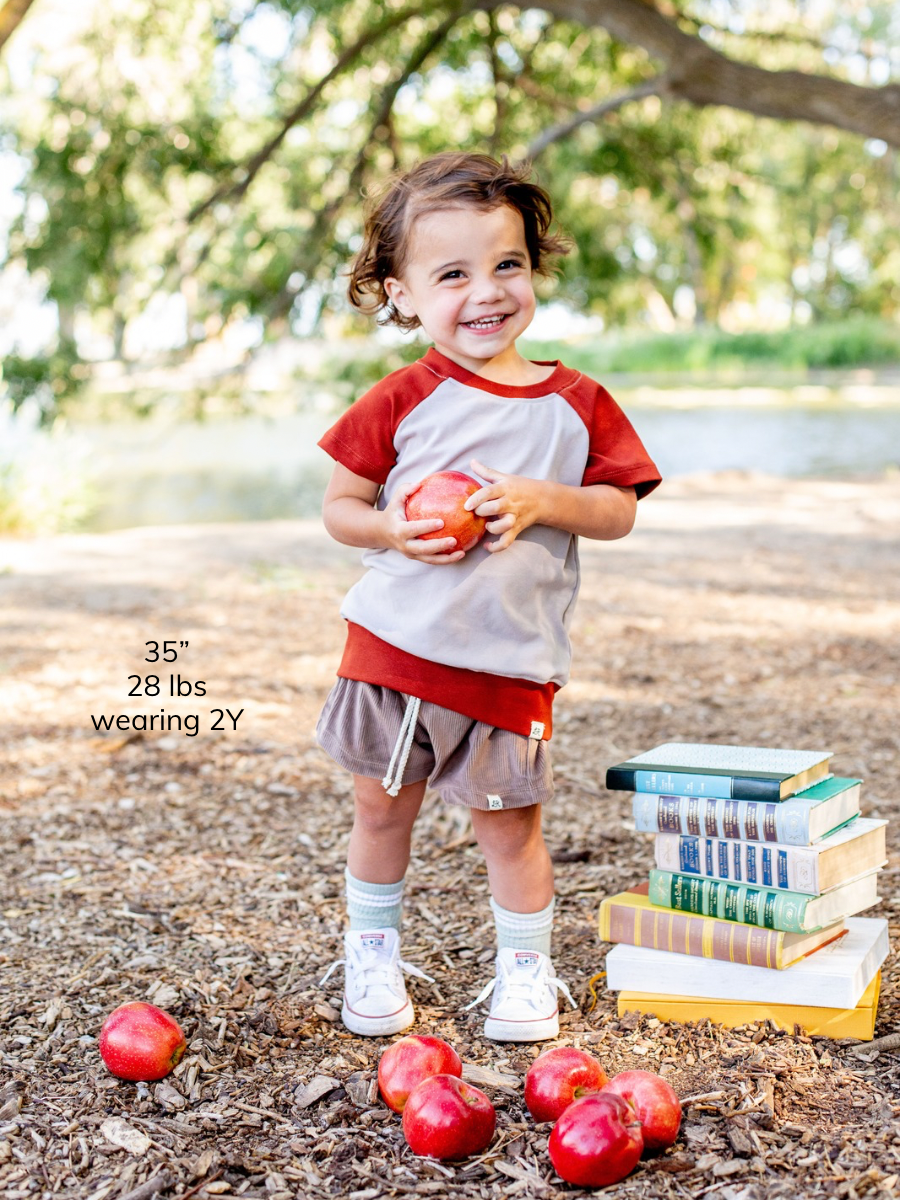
(206, 874)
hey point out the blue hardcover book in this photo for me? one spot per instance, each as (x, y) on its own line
(853, 850)
(722, 772)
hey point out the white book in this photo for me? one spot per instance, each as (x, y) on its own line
(691, 756)
(833, 977)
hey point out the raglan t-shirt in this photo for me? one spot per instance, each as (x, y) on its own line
(487, 636)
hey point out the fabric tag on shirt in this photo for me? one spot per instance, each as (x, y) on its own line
(494, 801)
(537, 729)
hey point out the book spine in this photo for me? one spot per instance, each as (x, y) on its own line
(729, 901)
(686, 783)
(788, 868)
(705, 816)
(685, 933)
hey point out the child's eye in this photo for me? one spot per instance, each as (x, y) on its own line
(511, 262)
(455, 274)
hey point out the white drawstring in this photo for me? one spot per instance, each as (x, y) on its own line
(393, 780)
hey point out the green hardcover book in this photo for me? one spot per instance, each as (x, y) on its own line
(791, 912)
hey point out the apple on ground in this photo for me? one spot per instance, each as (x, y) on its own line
(443, 495)
(447, 1118)
(141, 1042)
(654, 1103)
(410, 1060)
(596, 1141)
(559, 1076)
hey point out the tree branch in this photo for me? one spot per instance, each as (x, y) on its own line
(235, 189)
(702, 75)
(283, 300)
(556, 132)
(11, 16)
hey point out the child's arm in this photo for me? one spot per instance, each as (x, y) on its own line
(350, 516)
(598, 511)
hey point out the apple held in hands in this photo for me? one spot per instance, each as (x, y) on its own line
(443, 495)
(559, 1076)
(654, 1102)
(596, 1141)
(446, 1118)
(410, 1060)
(141, 1042)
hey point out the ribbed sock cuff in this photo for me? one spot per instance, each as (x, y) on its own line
(524, 931)
(373, 905)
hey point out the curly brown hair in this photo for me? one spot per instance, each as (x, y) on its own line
(447, 180)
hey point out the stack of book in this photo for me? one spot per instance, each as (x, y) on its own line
(762, 863)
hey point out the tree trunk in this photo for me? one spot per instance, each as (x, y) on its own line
(702, 75)
(11, 16)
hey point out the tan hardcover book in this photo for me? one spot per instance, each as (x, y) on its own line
(630, 918)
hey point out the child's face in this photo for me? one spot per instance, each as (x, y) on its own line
(468, 280)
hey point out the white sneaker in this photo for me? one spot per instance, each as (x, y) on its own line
(375, 1000)
(524, 1007)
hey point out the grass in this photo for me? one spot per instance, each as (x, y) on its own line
(860, 342)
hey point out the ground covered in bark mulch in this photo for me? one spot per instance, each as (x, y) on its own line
(205, 873)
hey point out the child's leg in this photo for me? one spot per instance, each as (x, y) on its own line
(523, 1006)
(520, 875)
(520, 872)
(375, 1000)
(382, 829)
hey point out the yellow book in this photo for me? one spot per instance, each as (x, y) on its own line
(856, 1022)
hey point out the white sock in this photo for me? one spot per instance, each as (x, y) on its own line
(523, 931)
(373, 905)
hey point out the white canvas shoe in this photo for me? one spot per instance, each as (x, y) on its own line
(524, 1005)
(375, 999)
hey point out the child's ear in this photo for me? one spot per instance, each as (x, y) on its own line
(399, 296)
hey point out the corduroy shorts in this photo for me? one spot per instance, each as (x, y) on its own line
(468, 762)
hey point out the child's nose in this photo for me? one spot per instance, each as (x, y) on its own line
(487, 288)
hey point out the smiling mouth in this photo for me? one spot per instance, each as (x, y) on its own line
(486, 323)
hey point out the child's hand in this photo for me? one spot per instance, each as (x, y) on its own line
(406, 536)
(513, 499)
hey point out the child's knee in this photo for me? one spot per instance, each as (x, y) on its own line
(508, 831)
(379, 813)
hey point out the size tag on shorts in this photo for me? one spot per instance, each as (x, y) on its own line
(537, 729)
(494, 801)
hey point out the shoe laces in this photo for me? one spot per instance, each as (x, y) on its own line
(518, 989)
(375, 968)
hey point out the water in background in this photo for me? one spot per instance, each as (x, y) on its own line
(792, 442)
(257, 468)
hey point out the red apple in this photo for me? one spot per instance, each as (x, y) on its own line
(443, 495)
(596, 1141)
(559, 1076)
(410, 1060)
(139, 1041)
(446, 1118)
(654, 1103)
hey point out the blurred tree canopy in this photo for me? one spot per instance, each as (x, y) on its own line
(199, 166)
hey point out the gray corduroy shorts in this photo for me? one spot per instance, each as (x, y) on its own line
(468, 762)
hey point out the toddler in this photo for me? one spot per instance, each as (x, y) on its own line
(453, 658)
